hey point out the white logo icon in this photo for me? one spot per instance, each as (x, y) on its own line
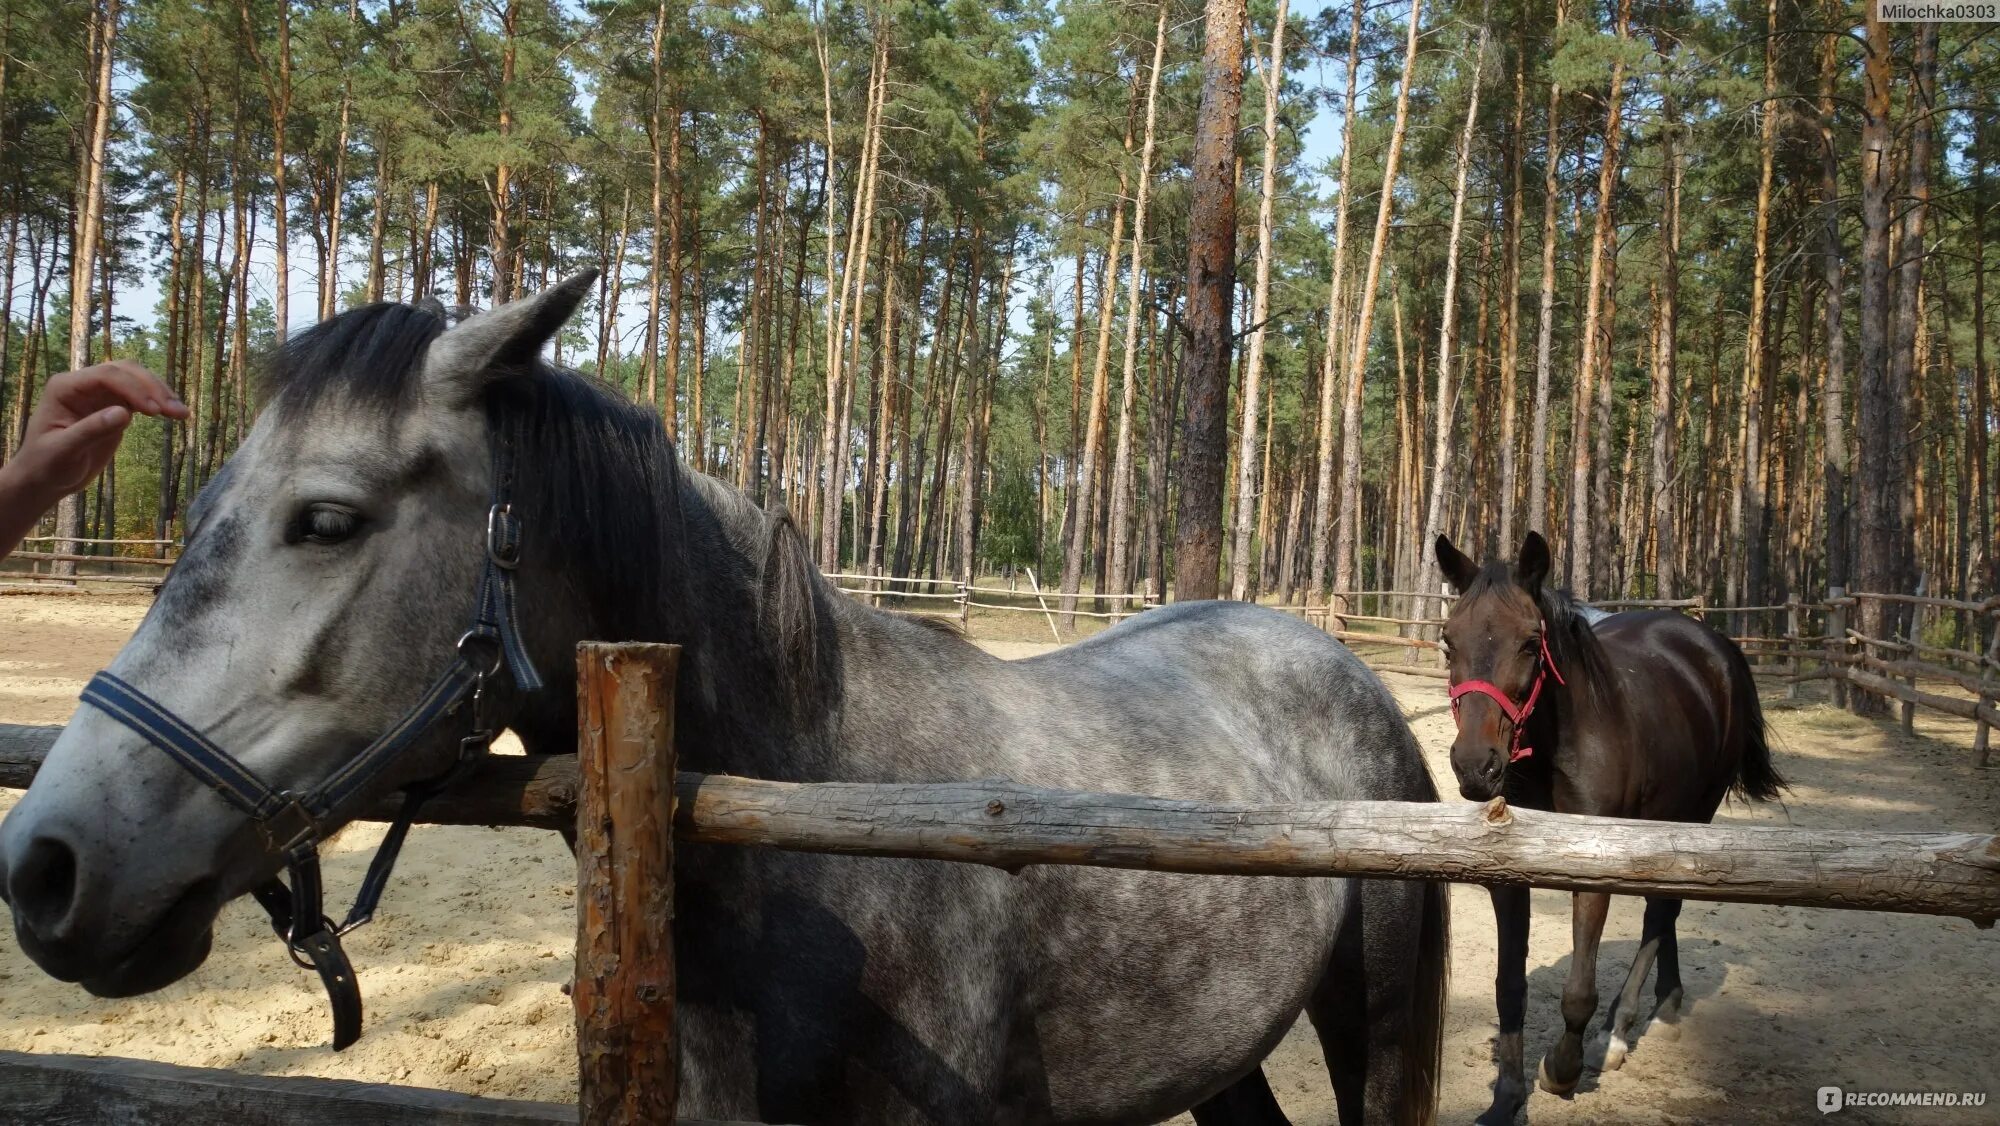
(1829, 1099)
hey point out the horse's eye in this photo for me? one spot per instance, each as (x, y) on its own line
(326, 524)
(1533, 646)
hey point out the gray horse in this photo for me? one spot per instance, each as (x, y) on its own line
(330, 567)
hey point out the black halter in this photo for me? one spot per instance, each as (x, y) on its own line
(293, 823)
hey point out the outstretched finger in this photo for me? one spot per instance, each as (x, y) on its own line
(146, 391)
(122, 383)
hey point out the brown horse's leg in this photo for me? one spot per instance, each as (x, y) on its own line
(1624, 1013)
(1510, 989)
(1562, 1067)
(1667, 1014)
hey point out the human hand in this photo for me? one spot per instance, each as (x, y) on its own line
(76, 427)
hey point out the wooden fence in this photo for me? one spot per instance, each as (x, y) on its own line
(64, 572)
(626, 803)
(955, 599)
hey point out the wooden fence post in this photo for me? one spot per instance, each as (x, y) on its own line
(1793, 643)
(1911, 639)
(1836, 641)
(627, 1049)
(1989, 690)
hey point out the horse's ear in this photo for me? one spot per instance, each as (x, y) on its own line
(1532, 568)
(509, 337)
(1458, 568)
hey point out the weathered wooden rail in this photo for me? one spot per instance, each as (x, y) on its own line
(1009, 825)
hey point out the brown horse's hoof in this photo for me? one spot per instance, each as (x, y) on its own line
(1547, 1082)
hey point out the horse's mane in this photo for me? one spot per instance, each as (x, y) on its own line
(1573, 645)
(595, 478)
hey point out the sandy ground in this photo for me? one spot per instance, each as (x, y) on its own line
(463, 968)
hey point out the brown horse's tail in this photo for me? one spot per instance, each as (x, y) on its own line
(1756, 778)
(1423, 1030)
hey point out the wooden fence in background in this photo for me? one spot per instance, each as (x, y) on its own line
(33, 571)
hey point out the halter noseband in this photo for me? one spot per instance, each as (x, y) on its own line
(293, 823)
(1545, 667)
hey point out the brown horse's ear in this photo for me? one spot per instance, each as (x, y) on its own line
(1532, 568)
(1458, 568)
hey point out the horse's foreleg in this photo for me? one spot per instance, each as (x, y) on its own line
(1563, 1066)
(1510, 989)
(1625, 1007)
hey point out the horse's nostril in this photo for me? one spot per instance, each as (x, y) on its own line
(42, 884)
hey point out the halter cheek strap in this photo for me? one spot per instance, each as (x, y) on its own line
(1517, 714)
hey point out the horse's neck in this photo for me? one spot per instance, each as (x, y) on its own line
(1588, 713)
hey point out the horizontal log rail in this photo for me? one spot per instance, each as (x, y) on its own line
(100, 543)
(49, 577)
(1989, 606)
(67, 557)
(1924, 670)
(1081, 595)
(892, 580)
(1949, 705)
(1008, 825)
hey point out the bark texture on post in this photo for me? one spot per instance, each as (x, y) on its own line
(627, 1051)
(1211, 288)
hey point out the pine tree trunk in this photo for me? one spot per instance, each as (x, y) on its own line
(1666, 336)
(1322, 520)
(1882, 532)
(1350, 437)
(1510, 310)
(1595, 325)
(656, 142)
(834, 427)
(1211, 289)
(1077, 550)
(1447, 396)
(1247, 483)
(1907, 337)
(1538, 431)
(1121, 472)
(95, 137)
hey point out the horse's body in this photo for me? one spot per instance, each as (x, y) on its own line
(1646, 715)
(323, 582)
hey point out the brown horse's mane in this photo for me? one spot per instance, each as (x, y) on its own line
(1574, 647)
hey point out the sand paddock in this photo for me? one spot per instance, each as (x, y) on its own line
(463, 968)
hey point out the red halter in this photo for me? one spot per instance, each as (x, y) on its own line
(1544, 668)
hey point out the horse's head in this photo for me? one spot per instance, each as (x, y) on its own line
(1496, 645)
(330, 568)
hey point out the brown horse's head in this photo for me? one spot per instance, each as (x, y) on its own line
(1498, 652)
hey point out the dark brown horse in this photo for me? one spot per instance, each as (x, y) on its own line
(1649, 715)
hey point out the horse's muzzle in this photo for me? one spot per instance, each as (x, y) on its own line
(1480, 773)
(48, 889)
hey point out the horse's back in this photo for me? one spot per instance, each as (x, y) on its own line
(1220, 700)
(1692, 708)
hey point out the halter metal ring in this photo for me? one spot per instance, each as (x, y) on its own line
(496, 656)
